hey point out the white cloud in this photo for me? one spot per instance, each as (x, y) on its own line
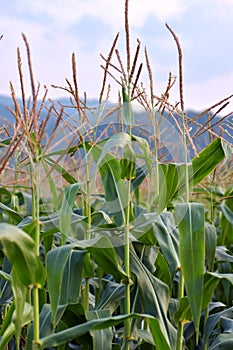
(109, 11)
(201, 96)
(217, 10)
(51, 46)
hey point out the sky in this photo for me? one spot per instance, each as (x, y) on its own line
(56, 28)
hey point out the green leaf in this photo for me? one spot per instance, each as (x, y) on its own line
(162, 270)
(62, 171)
(52, 185)
(67, 205)
(207, 160)
(19, 248)
(46, 326)
(14, 215)
(75, 315)
(160, 230)
(63, 279)
(7, 319)
(128, 163)
(146, 153)
(166, 233)
(227, 324)
(10, 328)
(102, 338)
(111, 295)
(72, 277)
(127, 111)
(222, 254)
(210, 244)
(153, 295)
(171, 179)
(5, 282)
(190, 219)
(227, 276)
(103, 252)
(212, 322)
(74, 332)
(226, 235)
(222, 342)
(183, 314)
(158, 336)
(20, 293)
(210, 283)
(110, 171)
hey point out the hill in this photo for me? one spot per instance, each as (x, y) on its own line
(108, 121)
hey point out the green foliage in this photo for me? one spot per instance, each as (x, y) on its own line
(135, 250)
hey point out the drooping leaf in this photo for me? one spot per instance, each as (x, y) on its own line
(158, 336)
(72, 277)
(171, 179)
(206, 160)
(111, 295)
(10, 328)
(45, 322)
(162, 271)
(212, 322)
(20, 293)
(102, 338)
(12, 214)
(63, 279)
(74, 332)
(222, 342)
(62, 171)
(222, 254)
(19, 248)
(162, 229)
(103, 252)
(110, 171)
(67, 205)
(210, 244)
(73, 315)
(153, 295)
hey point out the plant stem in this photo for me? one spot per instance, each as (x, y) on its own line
(36, 317)
(155, 126)
(180, 329)
(36, 216)
(88, 214)
(185, 158)
(127, 270)
(205, 320)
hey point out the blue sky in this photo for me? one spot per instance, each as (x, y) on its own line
(57, 28)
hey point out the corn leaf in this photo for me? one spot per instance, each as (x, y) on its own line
(64, 274)
(19, 248)
(190, 219)
(102, 338)
(66, 210)
(75, 332)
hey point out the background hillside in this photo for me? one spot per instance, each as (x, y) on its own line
(143, 127)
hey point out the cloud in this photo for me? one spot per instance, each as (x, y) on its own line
(109, 11)
(57, 28)
(201, 96)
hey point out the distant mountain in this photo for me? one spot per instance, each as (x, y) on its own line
(109, 123)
